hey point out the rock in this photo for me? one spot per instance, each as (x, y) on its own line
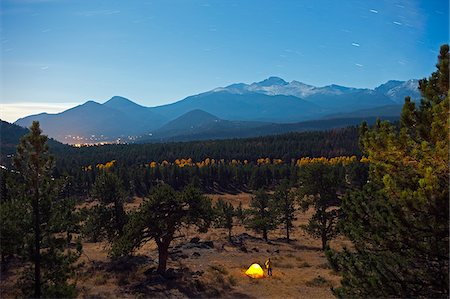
(196, 254)
(195, 240)
(277, 251)
(255, 249)
(210, 244)
(243, 249)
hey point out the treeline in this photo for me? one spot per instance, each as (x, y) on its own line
(210, 176)
(134, 161)
(339, 142)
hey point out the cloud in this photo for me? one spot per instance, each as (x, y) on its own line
(13, 111)
(359, 65)
(373, 11)
(356, 44)
(397, 23)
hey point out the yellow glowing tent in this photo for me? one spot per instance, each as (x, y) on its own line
(255, 271)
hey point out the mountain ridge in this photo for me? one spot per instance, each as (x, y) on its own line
(272, 100)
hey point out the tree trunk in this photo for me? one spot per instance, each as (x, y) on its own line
(287, 233)
(265, 235)
(324, 241)
(37, 244)
(163, 254)
(229, 234)
(118, 209)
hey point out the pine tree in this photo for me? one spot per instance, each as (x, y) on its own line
(399, 221)
(14, 218)
(108, 217)
(262, 214)
(285, 207)
(224, 214)
(45, 240)
(240, 213)
(320, 185)
(160, 217)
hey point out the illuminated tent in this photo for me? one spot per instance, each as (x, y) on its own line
(255, 271)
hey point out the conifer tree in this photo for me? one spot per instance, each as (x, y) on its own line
(160, 217)
(45, 239)
(285, 207)
(240, 213)
(262, 213)
(399, 221)
(224, 214)
(320, 185)
(15, 218)
(108, 217)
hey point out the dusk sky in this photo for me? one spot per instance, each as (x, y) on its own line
(59, 53)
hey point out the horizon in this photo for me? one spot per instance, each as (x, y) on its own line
(14, 109)
(58, 54)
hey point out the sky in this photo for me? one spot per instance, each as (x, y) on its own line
(59, 53)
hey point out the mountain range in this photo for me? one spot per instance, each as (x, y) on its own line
(238, 110)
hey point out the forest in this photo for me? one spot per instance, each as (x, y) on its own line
(381, 188)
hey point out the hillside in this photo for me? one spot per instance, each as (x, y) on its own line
(10, 135)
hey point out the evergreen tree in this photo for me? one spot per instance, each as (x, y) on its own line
(399, 221)
(108, 217)
(160, 217)
(285, 207)
(319, 186)
(14, 218)
(240, 213)
(224, 214)
(262, 214)
(45, 242)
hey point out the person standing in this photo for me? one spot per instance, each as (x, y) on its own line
(268, 264)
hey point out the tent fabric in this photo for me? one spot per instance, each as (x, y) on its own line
(255, 271)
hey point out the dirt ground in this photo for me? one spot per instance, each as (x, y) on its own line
(208, 265)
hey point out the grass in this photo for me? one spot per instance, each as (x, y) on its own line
(101, 279)
(318, 281)
(219, 268)
(304, 265)
(324, 266)
(286, 265)
(232, 280)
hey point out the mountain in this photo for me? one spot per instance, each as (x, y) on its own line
(10, 137)
(244, 107)
(382, 112)
(277, 86)
(234, 109)
(228, 129)
(197, 123)
(116, 117)
(191, 120)
(398, 90)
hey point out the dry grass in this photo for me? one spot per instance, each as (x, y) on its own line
(300, 268)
